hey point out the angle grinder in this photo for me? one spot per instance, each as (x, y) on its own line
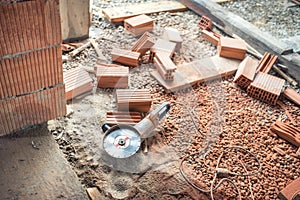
(123, 141)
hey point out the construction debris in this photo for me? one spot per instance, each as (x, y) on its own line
(287, 132)
(125, 57)
(173, 35)
(115, 118)
(232, 48)
(139, 24)
(246, 72)
(94, 193)
(292, 95)
(133, 100)
(77, 82)
(266, 88)
(112, 77)
(291, 191)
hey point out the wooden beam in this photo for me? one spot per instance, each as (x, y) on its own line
(233, 24)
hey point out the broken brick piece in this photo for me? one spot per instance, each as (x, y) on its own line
(112, 77)
(139, 24)
(125, 57)
(162, 46)
(232, 48)
(144, 43)
(266, 88)
(291, 191)
(116, 118)
(77, 81)
(266, 62)
(205, 23)
(133, 100)
(173, 35)
(246, 72)
(292, 95)
(288, 132)
(211, 37)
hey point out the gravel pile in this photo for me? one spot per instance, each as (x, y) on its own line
(280, 18)
(203, 121)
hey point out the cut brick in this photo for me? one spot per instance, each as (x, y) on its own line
(164, 65)
(115, 118)
(144, 43)
(125, 57)
(133, 100)
(266, 62)
(112, 77)
(173, 35)
(246, 72)
(205, 23)
(266, 88)
(77, 82)
(139, 24)
(291, 191)
(211, 37)
(162, 46)
(232, 48)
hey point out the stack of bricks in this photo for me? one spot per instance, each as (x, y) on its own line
(266, 62)
(246, 72)
(139, 24)
(138, 100)
(77, 82)
(116, 118)
(32, 89)
(266, 88)
(112, 77)
(232, 48)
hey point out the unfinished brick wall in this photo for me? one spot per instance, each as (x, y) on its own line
(31, 79)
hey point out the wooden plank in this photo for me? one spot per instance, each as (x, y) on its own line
(119, 14)
(94, 193)
(233, 24)
(206, 69)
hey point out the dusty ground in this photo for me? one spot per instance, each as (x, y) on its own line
(224, 114)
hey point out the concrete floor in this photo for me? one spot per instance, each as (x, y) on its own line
(32, 173)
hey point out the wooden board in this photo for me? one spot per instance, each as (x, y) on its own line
(119, 14)
(94, 193)
(203, 70)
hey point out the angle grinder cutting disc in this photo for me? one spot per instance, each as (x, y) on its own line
(122, 142)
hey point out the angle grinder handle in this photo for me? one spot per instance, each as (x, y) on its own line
(105, 127)
(161, 111)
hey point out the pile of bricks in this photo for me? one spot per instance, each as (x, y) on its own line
(32, 89)
(139, 24)
(112, 77)
(133, 100)
(232, 48)
(130, 118)
(77, 82)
